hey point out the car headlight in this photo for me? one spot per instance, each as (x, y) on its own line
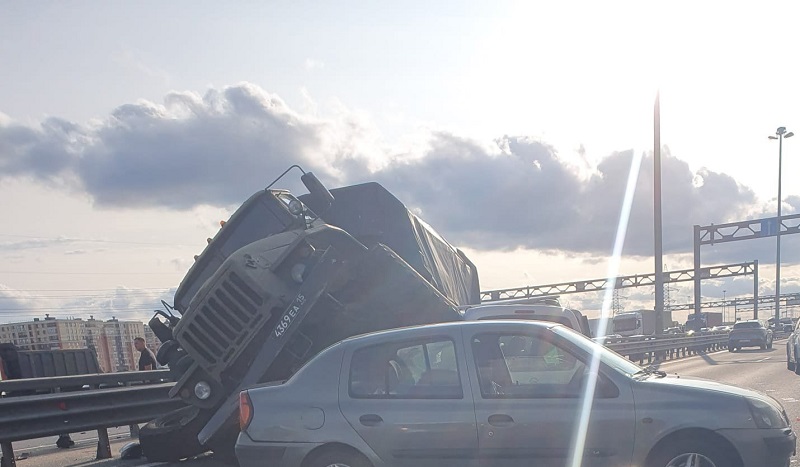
(202, 390)
(766, 415)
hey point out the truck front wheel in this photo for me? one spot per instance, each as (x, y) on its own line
(173, 436)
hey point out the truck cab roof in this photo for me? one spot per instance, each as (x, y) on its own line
(535, 312)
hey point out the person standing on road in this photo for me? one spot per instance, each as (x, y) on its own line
(147, 361)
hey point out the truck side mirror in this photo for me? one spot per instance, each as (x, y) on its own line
(318, 191)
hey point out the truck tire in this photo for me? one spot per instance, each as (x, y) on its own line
(173, 436)
(164, 354)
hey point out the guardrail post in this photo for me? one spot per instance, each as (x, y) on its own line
(8, 459)
(103, 444)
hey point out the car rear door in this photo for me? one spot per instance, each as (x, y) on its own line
(410, 400)
(528, 402)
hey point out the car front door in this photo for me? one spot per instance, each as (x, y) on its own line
(410, 400)
(528, 403)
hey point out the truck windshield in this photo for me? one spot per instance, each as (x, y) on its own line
(626, 324)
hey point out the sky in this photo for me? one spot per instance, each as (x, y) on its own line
(129, 130)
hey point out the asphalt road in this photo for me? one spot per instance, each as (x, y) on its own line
(762, 370)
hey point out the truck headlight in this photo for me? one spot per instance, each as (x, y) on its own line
(297, 272)
(202, 390)
(766, 415)
(295, 207)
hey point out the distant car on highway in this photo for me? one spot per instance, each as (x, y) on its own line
(750, 333)
(412, 396)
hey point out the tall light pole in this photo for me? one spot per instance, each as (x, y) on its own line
(780, 134)
(657, 235)
(723, 305)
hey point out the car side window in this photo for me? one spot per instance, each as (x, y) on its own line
(406, 370)
(526, 366)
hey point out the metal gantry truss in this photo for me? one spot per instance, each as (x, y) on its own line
(738, 303)
(736, 231)
(621, 282)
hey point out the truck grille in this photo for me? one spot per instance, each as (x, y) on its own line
(225, 318)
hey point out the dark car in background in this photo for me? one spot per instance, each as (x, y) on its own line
(750, 333)
(793, 351)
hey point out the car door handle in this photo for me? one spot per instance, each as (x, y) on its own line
(370, 419)
(500, 420)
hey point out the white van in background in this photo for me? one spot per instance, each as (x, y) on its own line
(538, 310)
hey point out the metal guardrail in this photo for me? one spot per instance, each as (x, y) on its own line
(667, 347)
(79, 381)
(74, 403)
(28, 417)
(652, 348)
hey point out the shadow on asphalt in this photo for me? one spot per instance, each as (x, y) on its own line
(709, 359)
(754, 351)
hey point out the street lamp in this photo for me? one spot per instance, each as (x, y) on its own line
(780, 134)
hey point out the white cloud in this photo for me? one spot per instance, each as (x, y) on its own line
(217, 149)
(312, 64)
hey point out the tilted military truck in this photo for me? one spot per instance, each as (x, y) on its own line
(284, 278)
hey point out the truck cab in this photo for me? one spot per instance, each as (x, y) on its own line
(288, 276)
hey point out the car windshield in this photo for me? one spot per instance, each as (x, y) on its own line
(607, 356)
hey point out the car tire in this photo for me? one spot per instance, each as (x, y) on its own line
(173, 436)
(338, 458)
(704, 454)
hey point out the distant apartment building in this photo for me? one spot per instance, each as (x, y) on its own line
(119, 336)
(151, 340)
(112, 340)
(45, 334)
(96, 340)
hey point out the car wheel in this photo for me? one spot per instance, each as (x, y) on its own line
(338, 458)
(693, 453)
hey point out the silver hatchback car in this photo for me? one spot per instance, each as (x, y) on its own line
(502, 393)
